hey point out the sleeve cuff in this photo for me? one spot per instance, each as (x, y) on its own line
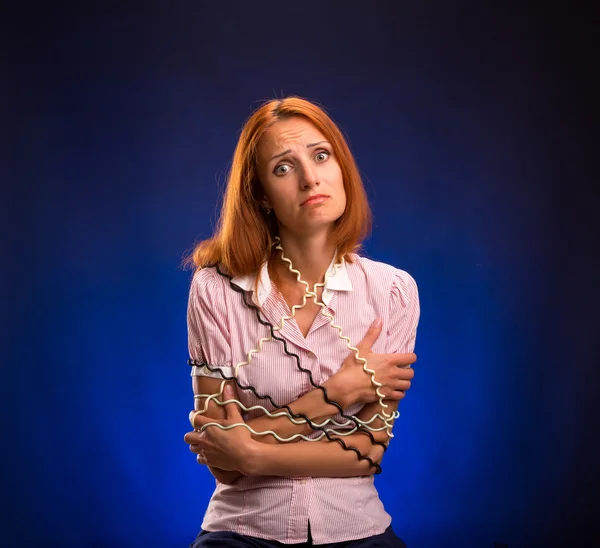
(203, 371)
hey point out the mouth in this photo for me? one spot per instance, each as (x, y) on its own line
(317, 199)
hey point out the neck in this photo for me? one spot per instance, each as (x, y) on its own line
(311, 255)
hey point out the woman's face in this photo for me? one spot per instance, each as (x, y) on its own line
(300, 176)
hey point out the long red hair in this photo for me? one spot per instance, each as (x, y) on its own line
(244, 236)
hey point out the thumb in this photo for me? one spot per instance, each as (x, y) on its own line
(232, 411)
(371, 335)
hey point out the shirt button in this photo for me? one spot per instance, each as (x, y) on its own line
(302, 482)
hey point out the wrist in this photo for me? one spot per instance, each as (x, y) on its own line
(339, 389)
(254, 459)
(228, 477)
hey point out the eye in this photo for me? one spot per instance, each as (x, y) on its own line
(322, 155)
(282, 169)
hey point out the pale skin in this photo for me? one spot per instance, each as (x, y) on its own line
(295, 163)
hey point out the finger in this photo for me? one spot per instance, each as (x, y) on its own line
(402, 385)
(198, 420)
(396, 395)
(405, 374)
(402, 360)
(193, 437)
(394, 391)
(232, 411)
(371, 335)
(199, 452)
(194, 448)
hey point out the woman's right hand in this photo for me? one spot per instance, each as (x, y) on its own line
(393, 371)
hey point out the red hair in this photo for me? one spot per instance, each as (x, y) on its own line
(243, 239)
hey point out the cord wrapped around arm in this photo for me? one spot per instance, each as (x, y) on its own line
(221, 334)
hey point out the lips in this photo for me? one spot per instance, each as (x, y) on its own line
(314, 199)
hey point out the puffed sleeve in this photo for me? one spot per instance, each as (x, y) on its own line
(208, 328)
(404, 314)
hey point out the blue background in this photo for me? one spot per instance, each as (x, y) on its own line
(472, 126)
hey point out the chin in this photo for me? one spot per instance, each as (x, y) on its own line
(314, 227)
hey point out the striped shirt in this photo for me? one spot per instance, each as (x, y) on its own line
(221, 331)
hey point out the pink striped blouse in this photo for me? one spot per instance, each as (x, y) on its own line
(221, 331)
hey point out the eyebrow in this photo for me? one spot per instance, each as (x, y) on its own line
(311, 145)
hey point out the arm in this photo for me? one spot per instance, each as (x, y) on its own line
(235, 449)
(314, 459)
(324, 458)
(206, 385)
(402, 325)
(239, 454)
(348, 386)
(209, 341)
(367, 412)
(352, 383)
(311, 404)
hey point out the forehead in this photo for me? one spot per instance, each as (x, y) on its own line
(287, 133)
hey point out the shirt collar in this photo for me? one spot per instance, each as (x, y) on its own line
(338, 281)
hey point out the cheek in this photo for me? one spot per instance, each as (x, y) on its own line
(342, 198)
(283, 196)
(269, 186)
(339, 185)
(336, 178)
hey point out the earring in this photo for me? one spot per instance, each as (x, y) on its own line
(268, 210)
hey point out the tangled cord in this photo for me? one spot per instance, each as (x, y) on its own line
(287, 408)
(297, 359)
(360, 426)
(274, 434)
(363, 361)
(213, 398)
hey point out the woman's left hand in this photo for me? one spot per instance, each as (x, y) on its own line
(224, 449)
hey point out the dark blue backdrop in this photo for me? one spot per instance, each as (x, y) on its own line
(472, 127)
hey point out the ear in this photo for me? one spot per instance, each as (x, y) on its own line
(264, 202)
(261, 197)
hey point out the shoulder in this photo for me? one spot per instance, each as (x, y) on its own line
(207, 284)
(386, 277)
(377, 271)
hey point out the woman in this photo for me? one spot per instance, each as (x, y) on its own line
(294, 214)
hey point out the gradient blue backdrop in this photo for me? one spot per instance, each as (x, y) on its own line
(471, 128)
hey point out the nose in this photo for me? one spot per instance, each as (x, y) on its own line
(309, 177)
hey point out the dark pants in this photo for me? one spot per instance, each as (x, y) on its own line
(387, 539)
